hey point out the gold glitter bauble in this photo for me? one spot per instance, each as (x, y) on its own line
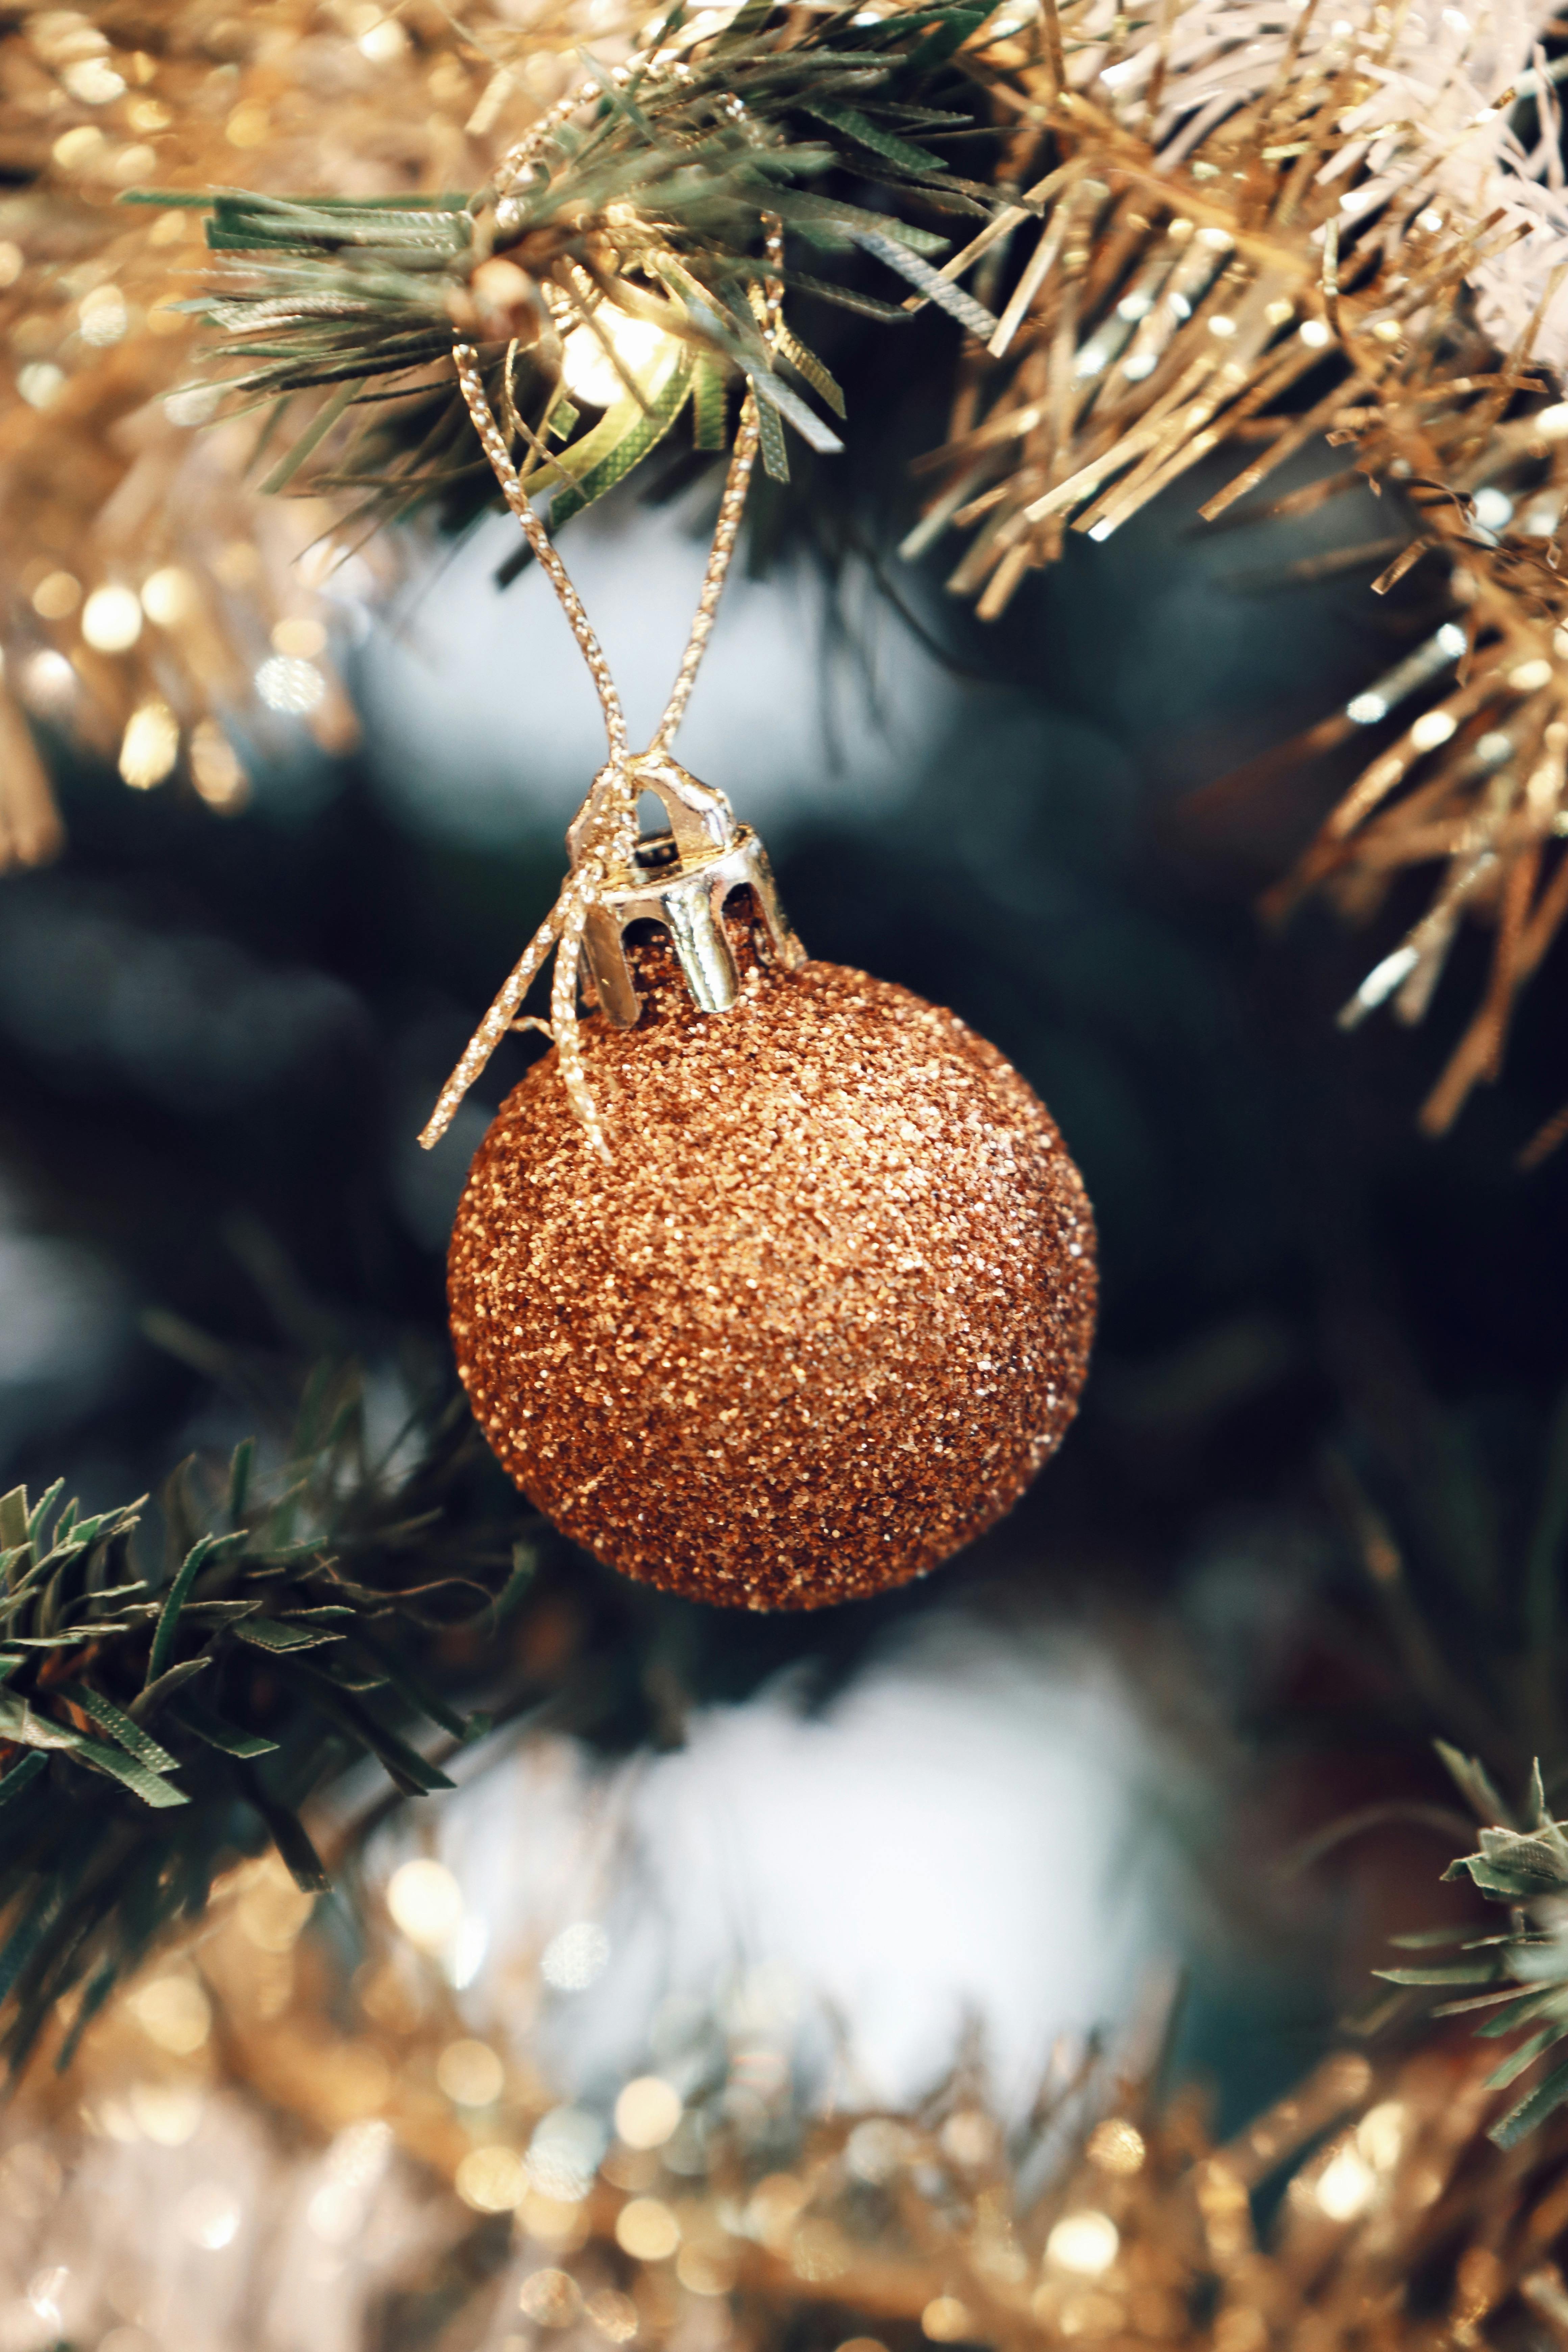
(819, 1322)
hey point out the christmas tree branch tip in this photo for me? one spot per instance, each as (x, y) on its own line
(161, 1718)
(1516, 1982)
(613, 270)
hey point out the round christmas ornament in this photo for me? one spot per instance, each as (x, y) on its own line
(828, 1309)
(825, 1308)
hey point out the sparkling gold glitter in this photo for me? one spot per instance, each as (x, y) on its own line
(820, 1320)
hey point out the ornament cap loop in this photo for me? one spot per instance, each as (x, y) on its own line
(681, 878)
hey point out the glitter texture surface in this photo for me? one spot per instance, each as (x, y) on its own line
(817, 1324)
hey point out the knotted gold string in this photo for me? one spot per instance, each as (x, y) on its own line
(610, 833)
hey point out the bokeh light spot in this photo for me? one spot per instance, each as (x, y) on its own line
(1085, 2243)
(648, 2111)
(647, 2230)
(425, 1901)
(470, 2074)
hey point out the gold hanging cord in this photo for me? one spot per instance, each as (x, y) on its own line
(605, 830)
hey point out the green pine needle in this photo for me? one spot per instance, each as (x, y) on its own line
(157, 1722)
(1528, 1871)
(340, 316)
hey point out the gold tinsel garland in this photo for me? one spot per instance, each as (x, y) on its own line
(1225, 223)
(255, 2154)
(153, 600)
(1278, 267)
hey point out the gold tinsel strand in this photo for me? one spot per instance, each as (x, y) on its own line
(152, 600)
(249, 2147)
(1272, 257)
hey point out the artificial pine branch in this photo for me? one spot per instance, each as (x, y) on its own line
(1467, 1571)
(159, 1720)
(1517, 1980)
(654, 198)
